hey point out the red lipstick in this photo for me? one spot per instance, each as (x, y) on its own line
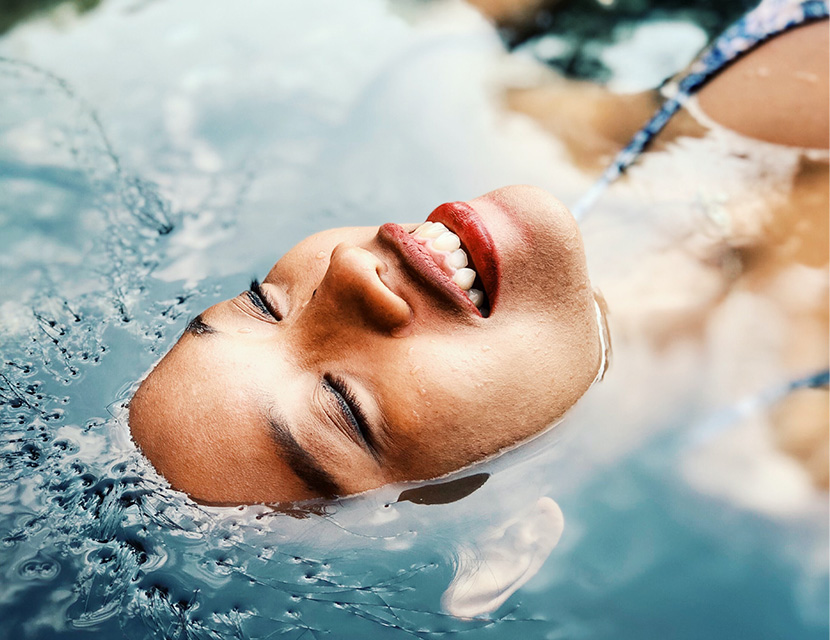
(420, 264)
(464, 221)
(475, 239)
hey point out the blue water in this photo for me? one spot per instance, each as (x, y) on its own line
(154, 156)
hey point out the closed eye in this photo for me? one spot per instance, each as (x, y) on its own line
(261, 301)
(352, 410)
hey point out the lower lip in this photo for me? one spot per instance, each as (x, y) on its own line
(467, 224)
(421, 264)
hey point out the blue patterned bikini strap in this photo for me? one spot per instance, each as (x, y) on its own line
(770, 18)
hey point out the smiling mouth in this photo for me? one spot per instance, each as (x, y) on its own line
(453, 253)
(445, 248)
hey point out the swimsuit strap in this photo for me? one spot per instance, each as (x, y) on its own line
(727, 417)
(769, 19)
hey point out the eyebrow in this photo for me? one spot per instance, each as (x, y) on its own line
(304, 465)
(198, 327)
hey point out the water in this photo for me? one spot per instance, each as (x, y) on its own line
(156, 155)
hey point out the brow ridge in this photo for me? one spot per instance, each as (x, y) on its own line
(198, 327)
(304, 465)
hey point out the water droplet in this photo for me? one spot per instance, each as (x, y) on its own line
(38, 568)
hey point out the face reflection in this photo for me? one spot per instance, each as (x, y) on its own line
(358, 362)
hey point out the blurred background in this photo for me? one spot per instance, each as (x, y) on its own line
(156, 154)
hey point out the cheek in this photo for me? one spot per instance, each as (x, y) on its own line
(551, 284)
(488, 392)
(450, 407)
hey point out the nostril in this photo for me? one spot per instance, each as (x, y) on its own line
(356, 279)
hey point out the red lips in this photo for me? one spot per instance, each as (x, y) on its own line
(462, 220)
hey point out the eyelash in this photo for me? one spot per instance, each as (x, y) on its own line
(260, 301)
(350, 406)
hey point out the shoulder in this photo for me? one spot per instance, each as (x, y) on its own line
(779, 91)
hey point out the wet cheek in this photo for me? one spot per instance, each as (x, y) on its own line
(542, 278)
(458, 366)
(438, 396)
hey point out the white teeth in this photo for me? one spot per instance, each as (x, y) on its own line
(436, 230)
(476, 296)
(464, 278)
(445, 248)
(430, 230)
(447, 241)
(457, 259)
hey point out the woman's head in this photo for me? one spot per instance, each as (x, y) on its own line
(360, 360)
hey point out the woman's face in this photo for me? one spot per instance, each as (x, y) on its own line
(359, 360)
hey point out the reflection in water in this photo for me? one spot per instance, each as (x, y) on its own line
(101, 268)
(14, 11)
(503, 560)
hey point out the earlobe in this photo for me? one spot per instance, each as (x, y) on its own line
(504, 559)
(444, 492)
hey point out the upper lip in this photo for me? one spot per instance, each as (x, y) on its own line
(476, 240)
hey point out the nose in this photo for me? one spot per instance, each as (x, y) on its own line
(353, 291)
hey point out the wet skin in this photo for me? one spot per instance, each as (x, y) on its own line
(372, 372)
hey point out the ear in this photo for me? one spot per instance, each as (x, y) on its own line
(503, 560)
(444, 492)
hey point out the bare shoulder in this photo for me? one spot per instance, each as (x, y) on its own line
(779, 92)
